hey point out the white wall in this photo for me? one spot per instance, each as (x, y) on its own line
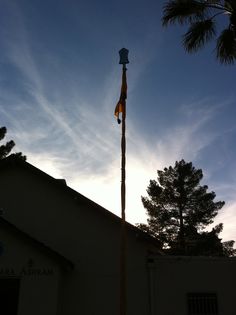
(90, 238)
(85, 235)
(174, 277)
(39, 282)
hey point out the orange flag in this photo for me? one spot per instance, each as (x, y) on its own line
(121, 105)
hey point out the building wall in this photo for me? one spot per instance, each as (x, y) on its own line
(175, 277)
(39, 275)
(90, 238)
(79, 231)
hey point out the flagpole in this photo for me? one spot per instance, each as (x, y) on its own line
(121, 108)
(123, 225)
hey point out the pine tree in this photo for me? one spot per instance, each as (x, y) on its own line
(179, 209)
(5, 149)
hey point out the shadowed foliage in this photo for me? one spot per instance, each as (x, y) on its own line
(179, 209)
(199, 33)
(201, 15)
(5, 149)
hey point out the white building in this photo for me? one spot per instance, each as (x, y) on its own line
(59, 255)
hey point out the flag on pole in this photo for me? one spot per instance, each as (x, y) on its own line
(121, 108)
(121, 105)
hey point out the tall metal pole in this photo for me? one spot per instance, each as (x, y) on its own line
(121, 108)
(123, 301)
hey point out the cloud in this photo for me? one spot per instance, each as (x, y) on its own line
(67, 135)
(227, 217)
(143, 159)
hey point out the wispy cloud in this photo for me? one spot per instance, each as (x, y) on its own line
(81, 143)
(227, 217)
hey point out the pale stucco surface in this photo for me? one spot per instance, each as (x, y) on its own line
(89, 237)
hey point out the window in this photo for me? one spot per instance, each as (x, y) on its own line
(202, 304)
(9, 293)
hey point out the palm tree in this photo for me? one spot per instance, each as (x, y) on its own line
(201, 16)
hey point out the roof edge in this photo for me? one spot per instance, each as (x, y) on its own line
(12, 160)
(67, 264)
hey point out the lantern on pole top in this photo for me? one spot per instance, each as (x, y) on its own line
(124, 56)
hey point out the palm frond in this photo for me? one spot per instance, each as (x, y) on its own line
(182, 11)
(233, 20)
(226, 47)
(198, 34)
(230, 5)
(223, 5)
(213, 1)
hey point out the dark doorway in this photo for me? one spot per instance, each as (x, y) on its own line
(9, 294)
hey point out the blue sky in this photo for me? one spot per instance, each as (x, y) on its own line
(60, 81)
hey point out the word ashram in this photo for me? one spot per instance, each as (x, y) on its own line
(26, 272)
